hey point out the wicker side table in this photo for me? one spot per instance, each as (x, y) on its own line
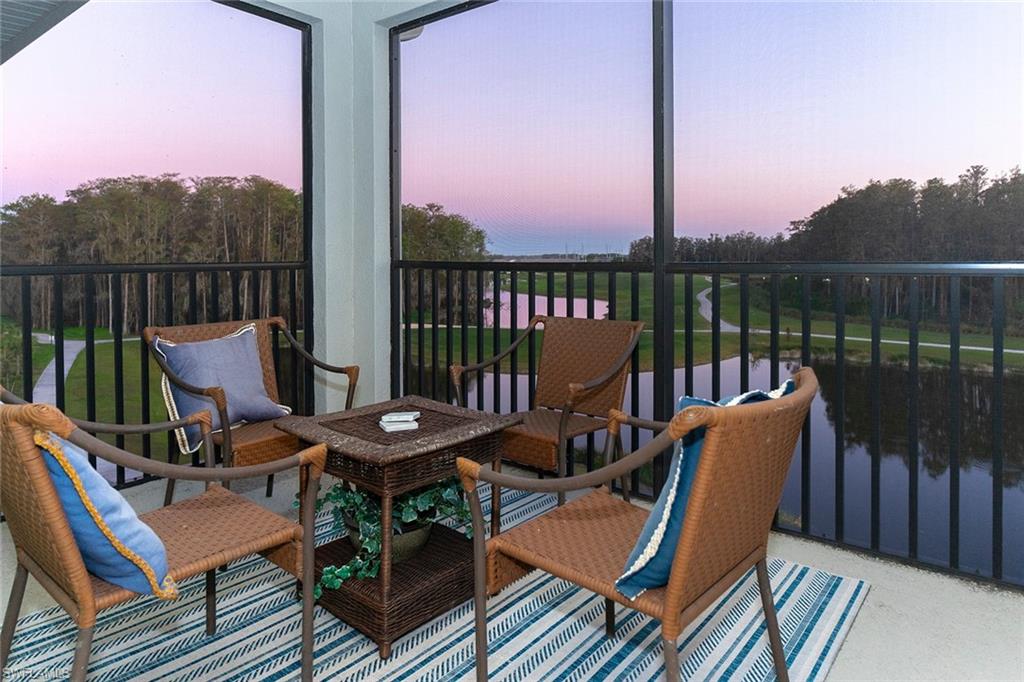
(440, 577)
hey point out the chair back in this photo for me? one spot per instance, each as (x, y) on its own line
(743, 465)
(576, 350)
(188, 333)
(33, 510)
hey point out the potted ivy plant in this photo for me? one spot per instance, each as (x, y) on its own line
(412, 516)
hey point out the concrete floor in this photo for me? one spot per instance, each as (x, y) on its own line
(914, 624)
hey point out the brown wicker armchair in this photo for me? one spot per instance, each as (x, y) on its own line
(200, 534)
(580, 377)
(744, 460)
(257, 442)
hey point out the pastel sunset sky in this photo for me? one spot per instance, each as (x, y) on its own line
(533, 118)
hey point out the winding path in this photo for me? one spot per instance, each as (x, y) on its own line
(45, 390)
(704, 309)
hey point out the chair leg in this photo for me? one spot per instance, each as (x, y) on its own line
(211, 602)
(308, 575)
(563, 455)
(270, 485)
(169, 493)
(82, 647)
(671, 659)
(479, 587)
(609, 617)
(11, 617)
(772, 621)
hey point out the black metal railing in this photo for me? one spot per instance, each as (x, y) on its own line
(98, 312)
(907, 453)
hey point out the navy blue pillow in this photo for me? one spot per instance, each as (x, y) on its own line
(115, 544)
(650, 562)
(231, 362)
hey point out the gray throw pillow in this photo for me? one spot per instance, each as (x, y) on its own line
(231, 362)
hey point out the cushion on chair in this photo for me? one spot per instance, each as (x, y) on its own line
(115, 545)
(231, 362)
(650, 562)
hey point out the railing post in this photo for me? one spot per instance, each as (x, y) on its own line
(664, 232)
(398, 372)
(26, 338)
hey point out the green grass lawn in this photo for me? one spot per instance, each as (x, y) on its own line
(10, 373)
(77, 396)
(856, 351)
(789, 325)
(788, 319)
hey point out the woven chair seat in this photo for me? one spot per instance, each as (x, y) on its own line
(585, 541)
(259, 442)
(208, 531)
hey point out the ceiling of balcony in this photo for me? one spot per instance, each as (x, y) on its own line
(22, 21)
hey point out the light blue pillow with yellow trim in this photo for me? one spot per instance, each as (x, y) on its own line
(115, 544)
(650, 562)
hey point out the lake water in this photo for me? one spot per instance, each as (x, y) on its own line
(579, 307)
(933, 460)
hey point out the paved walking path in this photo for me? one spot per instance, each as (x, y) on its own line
(704, 308)
(45, 389)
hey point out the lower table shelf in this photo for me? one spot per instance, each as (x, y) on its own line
(437, 579)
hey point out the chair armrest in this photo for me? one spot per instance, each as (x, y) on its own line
(617, 419)
(216, 393)
(470, 472)
(351, 371)
(456, 371)
(9, 398)
(314, 457)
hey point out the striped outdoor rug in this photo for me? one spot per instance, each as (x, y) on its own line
(540, 628)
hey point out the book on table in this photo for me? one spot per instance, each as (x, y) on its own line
(391, 427)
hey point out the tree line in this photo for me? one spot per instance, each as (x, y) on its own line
(976, 218)
(140, 219)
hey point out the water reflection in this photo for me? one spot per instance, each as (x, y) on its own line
(522, 309)
(933, 460)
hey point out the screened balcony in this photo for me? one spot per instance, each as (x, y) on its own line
(901, 517)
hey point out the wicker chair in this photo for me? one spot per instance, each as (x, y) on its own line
(744, 460)
(256, 442)
(200, 534)
(581, 376)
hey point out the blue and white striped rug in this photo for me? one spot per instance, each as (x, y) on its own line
(540, 628)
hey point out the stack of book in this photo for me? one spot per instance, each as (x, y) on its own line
(399, 421)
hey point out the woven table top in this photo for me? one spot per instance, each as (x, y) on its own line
(355, 433)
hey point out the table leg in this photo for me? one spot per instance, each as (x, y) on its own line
(496, 500)
(385, 560)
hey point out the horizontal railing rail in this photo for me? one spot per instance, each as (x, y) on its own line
(1002, 268)
(908, 452)
(72, 334)
(151, 268)
(532, 266)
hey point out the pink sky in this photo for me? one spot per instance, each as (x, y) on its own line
(123, 88)
(533, 118)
